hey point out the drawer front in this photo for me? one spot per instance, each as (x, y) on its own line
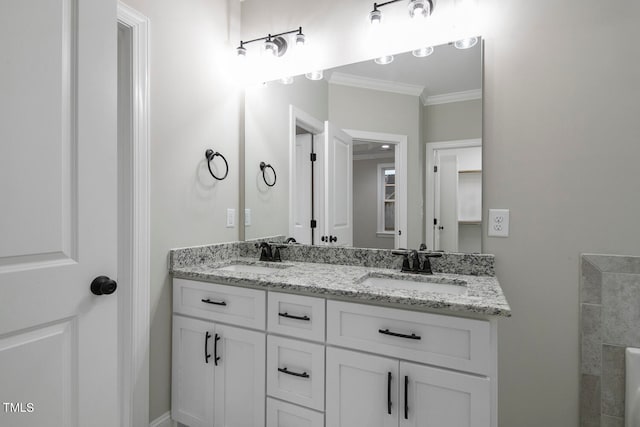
(282, 414)
(295, 371)
(229, 304)
(446, 341)
(296, 316)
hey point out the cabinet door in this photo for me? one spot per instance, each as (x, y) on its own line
(192, 372)
(362, 390)
(438, 398)
(239, 397)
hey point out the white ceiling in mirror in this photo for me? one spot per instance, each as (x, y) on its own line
(448, 70)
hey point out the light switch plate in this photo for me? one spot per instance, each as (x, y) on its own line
(499, 222)
(231, 218)
(247, 217)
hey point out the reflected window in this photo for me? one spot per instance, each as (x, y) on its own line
(386, 198)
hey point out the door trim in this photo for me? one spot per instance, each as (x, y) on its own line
(430, 179)
(401, 161)
(133, 301)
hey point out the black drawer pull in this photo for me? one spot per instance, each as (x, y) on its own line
(215, 350)
(206, 347)
(396, 334)
(389, 393)
(208, 301)
(295, 374)
(406, 396)
(291, 316)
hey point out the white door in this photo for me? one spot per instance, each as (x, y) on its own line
(338, 186)
(301, 187)
(192, 371)
(58, 229)
(362, 390)
(446, 202)
(239, 396)
(438, 398)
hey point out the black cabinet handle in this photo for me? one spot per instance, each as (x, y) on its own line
(406, 396)
(295, 374)
(215, 350)
(291, 316)
(396, 334)
(389, 393)
(208, 301)
(206, 347)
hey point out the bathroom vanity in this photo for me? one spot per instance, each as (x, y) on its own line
(320, 344)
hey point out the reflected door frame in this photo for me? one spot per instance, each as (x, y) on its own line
(400, 159)
(430, 184)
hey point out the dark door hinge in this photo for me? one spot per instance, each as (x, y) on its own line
(435, 221)
(314, 223)
(435, 168)
(313, 157)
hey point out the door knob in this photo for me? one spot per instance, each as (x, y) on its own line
(102, 285)
(333, 239)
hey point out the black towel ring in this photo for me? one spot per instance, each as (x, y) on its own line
(264, 166)
(210, 154)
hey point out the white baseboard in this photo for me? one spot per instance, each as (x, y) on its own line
(163, 420)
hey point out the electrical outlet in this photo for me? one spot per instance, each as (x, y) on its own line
(499, 222)
(247, 217)
(231, 218)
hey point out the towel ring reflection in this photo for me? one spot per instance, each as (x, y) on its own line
(210, 154)
(264, 166)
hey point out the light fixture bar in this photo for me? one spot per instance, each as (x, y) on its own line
(272, 36)
(375, 16)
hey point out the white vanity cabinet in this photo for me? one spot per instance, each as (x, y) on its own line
(289, 360)
(218, 370)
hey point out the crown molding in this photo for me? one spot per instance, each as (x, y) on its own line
(446, 98)
(345, 79)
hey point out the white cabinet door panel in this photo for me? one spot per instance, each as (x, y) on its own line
(438, 398)
(239, 396)
(192, 372)
(360, 388)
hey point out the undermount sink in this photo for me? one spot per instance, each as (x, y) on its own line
(419, 283)
(251, 268)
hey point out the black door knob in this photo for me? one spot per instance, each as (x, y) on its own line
(333, 239)
(102, 285)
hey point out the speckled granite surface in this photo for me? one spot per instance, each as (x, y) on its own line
(328, 276)
(453, 263)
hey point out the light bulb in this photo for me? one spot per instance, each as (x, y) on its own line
(385, 146)
(422, 52)
(466, 43)
(300, 39)
(314, 75)
(286, 80)
(271, 48)
(419, 8)
(375, 16)
(384, 60)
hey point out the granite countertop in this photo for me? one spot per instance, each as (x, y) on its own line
(471, 294)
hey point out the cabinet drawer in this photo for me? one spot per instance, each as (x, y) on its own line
(296, 315)
(282, 414)
(446, 341)
(295, 371)
(230, 304)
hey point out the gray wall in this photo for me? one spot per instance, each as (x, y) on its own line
(365, 205)
(561, 102)
(376, 111)
(267, 139)
(453, 121)
(194, 106)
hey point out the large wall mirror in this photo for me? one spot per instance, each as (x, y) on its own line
(371, 154)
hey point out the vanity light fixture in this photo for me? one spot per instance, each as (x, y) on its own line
(423, 52)
(274, 44)
(417, 9)
(466, 43)
(314, 75)
(384, 60)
